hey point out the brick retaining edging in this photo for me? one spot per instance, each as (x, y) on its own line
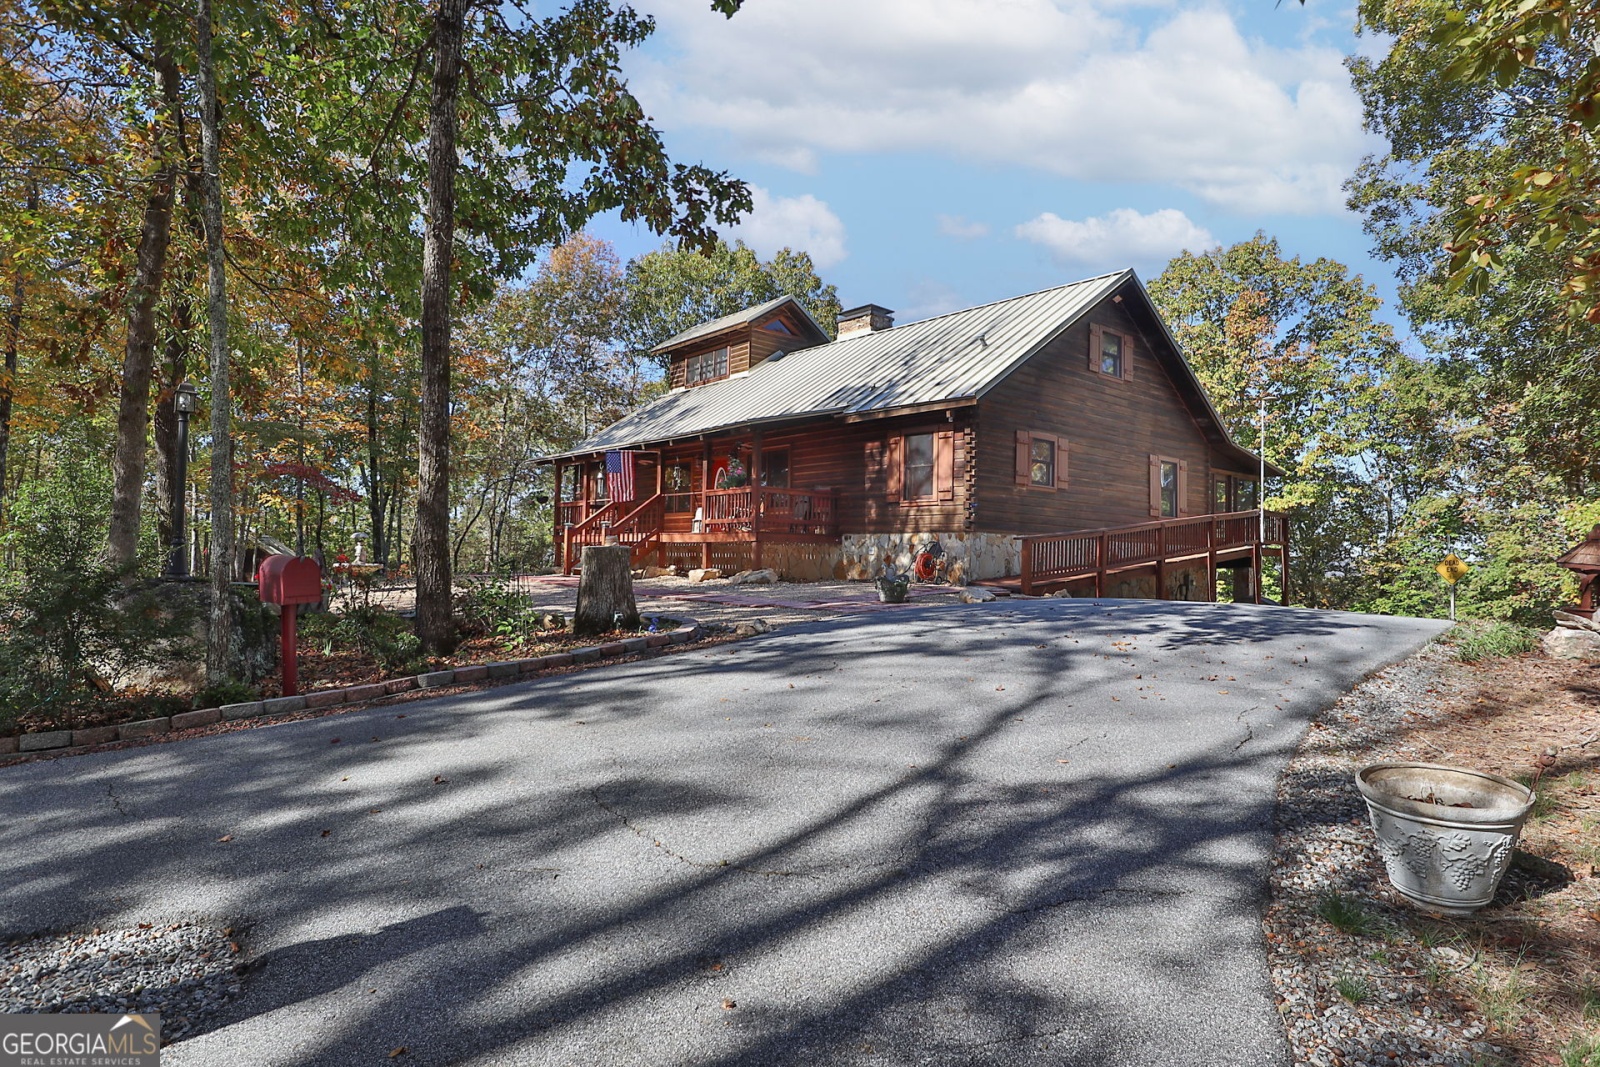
(64, 742)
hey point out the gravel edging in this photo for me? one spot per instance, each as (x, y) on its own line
(1324, 847)
(54, 743)
(184, 971)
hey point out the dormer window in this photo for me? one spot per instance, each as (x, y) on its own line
(777, 326)
(706, 367)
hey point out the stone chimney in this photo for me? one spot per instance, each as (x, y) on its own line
(868, 318)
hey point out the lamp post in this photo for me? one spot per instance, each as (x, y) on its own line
(185, 401)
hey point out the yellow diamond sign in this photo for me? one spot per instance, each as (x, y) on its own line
(1452, 569)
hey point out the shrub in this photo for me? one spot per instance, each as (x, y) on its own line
(1476, 641)
(224, 693)
(70, 626)
(382, 635)
(491, 607)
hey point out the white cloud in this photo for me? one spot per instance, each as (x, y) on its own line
(956, 226)
(1117, 238)
(1065, 86)
(802, 223)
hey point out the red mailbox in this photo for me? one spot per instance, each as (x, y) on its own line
(289, 581)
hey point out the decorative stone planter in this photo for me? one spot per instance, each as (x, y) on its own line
(892, 588)
(1445, 833)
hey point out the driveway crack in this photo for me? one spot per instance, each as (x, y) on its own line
(111, 795)
(644, 834)
(1249, 730)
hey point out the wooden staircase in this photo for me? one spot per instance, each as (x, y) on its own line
(639, 529)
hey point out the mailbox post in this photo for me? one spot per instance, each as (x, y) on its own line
(289, 581)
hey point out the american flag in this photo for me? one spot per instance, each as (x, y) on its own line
(620, 481)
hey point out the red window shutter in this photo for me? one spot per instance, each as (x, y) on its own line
(1094, 347)
(895, 462)
(1155, 487)
(1024, 457)
(1183, 487)
(1127, 357)
(944, 465)
(1061, 463)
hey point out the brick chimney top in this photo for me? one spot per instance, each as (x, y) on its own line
(868, 318)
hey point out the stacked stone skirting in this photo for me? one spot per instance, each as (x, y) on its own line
(64, 742)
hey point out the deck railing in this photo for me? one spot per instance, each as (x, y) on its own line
(1075, 555)
(767, 509)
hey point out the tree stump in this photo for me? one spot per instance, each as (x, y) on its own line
(605, 591)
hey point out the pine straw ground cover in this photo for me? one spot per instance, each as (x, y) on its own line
(1363, 976)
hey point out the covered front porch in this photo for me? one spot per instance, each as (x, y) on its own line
(709, 503)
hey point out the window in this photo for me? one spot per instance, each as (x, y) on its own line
(1041, 460)
(775, 468)
(915, 468)
(1233, 492)
(706, 367)
(1042, 470)
(677, 481)
(1110, 351)
(1169, 487)
(918, 482)
(777, 326)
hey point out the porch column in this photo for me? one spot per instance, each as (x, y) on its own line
(755, 498)
(555, 505)
(705, 505)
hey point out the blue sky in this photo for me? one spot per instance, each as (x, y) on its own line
(936, 154)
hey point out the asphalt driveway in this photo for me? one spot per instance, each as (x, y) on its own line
(1017, 833)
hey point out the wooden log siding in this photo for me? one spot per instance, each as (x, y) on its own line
(1108, 428)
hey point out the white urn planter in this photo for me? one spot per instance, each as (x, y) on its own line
(1445, 833)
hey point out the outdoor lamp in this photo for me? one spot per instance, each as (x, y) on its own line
(184, 402)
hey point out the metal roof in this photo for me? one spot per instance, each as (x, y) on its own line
(738, 318)
(950, 358)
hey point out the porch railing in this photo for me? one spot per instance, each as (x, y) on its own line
(586, 532)
(766, 509)
(1075, 555)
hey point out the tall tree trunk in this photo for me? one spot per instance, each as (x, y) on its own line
(8, 378)
(174, 369)
(372, 474)
(133, 407)
(220, 633)
(432, 538)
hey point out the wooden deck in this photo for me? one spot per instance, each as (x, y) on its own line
(745, 515)
(1053, 561)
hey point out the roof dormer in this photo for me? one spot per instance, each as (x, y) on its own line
(733, 344)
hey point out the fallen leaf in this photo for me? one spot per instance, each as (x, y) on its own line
(1223, 692)
(728, 1005)
(225, 837)
(440, 779)
(1063, 761)
(333, 740)
(398, 1050)
(325, 833)
(375, 811)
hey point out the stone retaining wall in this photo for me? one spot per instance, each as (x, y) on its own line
(66, 742)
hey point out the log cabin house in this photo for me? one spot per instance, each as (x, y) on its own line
(1052, 441)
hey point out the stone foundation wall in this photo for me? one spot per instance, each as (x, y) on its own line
(968, 556)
